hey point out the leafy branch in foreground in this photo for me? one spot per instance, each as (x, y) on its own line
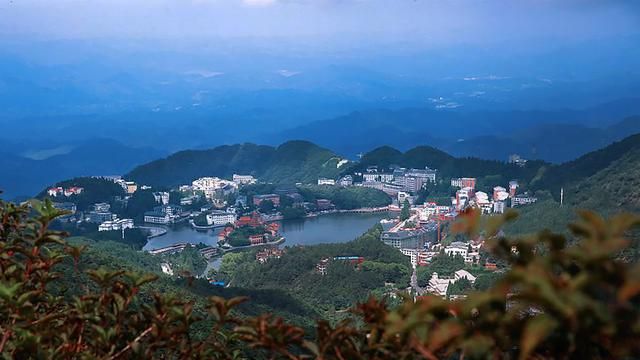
(556, 301)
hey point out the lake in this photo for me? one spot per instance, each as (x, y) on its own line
(332, 228)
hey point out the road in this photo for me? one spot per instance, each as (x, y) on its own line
(414, 284)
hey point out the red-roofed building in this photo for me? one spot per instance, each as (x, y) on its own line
(256, 239)
(224, 233)
(490, 266)
(55, 191)
(75, 190)
(254, 220)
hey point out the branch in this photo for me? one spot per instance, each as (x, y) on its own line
(128, 347)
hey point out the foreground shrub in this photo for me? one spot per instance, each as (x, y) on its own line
(556, 301)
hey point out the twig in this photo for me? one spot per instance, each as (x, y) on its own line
(128, 347)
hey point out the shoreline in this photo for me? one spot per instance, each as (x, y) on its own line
(154, 231)
(204, 227)
(160, 231)
(280, 240)
(331, 212)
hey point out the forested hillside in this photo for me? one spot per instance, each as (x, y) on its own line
(613, 189)
(556, 176)
(112, 256)
(449, 166)
(291, 162)
(384, 270)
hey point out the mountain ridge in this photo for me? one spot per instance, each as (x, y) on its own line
(290, 162)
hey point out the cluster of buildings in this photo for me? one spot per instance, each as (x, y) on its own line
(163, 214)
(66, 192)
(254, 220)
(395, 179)
(216, 188)
(100, 212)
(439, 285)
(129, 187)
(213, 187)
(116, 225)
(467, 196)
(407, 234)
(270, 252)
(398, 179)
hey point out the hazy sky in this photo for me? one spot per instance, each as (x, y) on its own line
(432, 22)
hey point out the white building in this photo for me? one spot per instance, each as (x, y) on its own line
(438, 286)
(101, 207)
(418, 257)
(155, 217)
(243, 179)
(221, 218)
(116, 225)
(523, 199)
(386, 177)
(377, 177)
(346, 180)
(470, 256)
(457, 248)
(483, 203)
(212, 185)
(162, 197)
(412, 254)
(325, 181)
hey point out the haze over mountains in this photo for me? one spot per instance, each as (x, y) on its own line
(483, 79)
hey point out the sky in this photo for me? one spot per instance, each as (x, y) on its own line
(428, 22)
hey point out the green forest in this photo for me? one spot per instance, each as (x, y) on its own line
(384, 269)
(289, 163)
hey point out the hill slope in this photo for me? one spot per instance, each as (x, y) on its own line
(447, 165)
(563, 175)
(612, 189)
(293, 161)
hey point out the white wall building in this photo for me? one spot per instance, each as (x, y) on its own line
(457, 248)
(243, 179)
(325, 181)
(116, 225)
(438, 286)
(220, 218)
(162, 197)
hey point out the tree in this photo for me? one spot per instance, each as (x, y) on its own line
(485, 281)
(405, 213)
(266, 206)
(140, 201)
(459, 287)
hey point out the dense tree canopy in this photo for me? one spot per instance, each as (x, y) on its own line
(568, 302)
(346, 198)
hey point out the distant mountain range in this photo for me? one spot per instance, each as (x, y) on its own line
(23, 177)
(302, 161)
(554, 136)
(291, 162)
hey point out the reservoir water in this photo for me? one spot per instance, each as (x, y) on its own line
(333, 228)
